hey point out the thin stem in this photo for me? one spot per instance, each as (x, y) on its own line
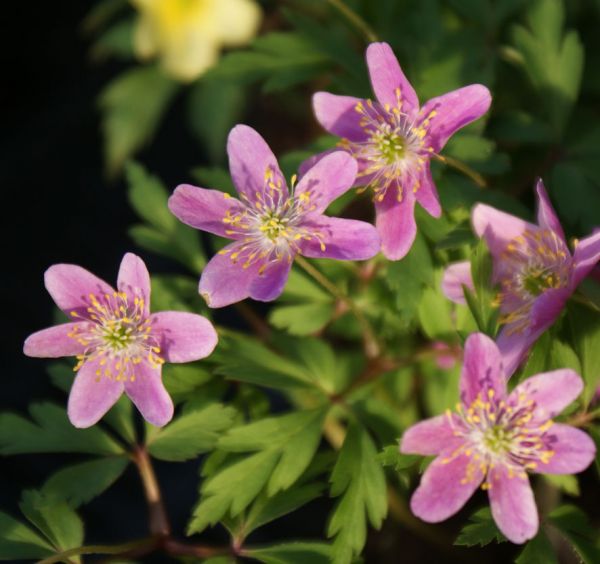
(584, 419)
(101, 549)
(372, 348)
(464, 168)
(360, 24)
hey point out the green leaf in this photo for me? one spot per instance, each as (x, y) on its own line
(215, 178)
(575, 527)
(116, 41)
(302, 319)
(564, 482)
(18, 542)
(182, 379)
(80, 483)
(294, 437)
(585, 326)
(292, 553)
(132, 106)
(54, 518)
(51, 431)
(481, 530)
(360, 481)
(435, 315)
(537, 551)
(191, 434)
(391, 456)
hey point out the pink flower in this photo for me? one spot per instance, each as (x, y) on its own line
(119, 344)
(393, 140)
(270, 226)
(534, 269)
(494, 439)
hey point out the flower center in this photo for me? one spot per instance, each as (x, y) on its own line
(274, 226)
(389, 143)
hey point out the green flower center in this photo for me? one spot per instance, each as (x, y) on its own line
(118, 334)
(274, 226)
(496, 439)
(391, 145)
(536, 282)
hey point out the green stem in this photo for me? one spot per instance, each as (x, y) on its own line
(372, 348)
(464, 168)
(101, 549)
(360, 24)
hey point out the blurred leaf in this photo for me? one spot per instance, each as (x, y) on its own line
(215, 178)
(182, 379)
(191, 434)
(117, 41)
(302, 319)
(566, 483)
(391, 456)
(132, 106)
(478, 152)
(360, 480)
(575, 527)
(481, 530)
(101, 13)
(51, 431)
(435, 314)
(537, 551)
(585, 326)
(292, 553)
(18, 542)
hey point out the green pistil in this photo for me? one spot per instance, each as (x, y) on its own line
(118, 336)
(273, 227)
(496, 439)
(537, 282)
(391, 146)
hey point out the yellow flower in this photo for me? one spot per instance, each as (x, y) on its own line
(187, 35)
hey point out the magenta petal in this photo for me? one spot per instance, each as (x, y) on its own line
(70, 286)
(513, 505)
(224, 282)
(338, 115)
(53, 342)
(454, 110)
(429, 437)
(482, 370)
(427, 194)
(134, 279)
(250, 159)
(387, 78)
(573, 451)
(585, 258)
(551, 392)
(546, 216)
(444, 487)
(183, 337)
(203, 209)
(149, 395)
(328, 179)
(455, 277)
(396, 223)
(92, 395)
(269, 284)
(338, 238)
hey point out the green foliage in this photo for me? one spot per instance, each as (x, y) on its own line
(18, 541)
(575, 527)
(585, 328)
(537, 551)
(480, 531)
(292, 553)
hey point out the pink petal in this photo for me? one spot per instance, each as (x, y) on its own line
(454, 110)
(429, 437)
(455, 277)
(134, 279)
(551, 392)
(513, 505)
(427, 194)
(573, 450)
(268, 285)
(328, 179)
(445, 488)
(585, 258)
(92, 395)
(203, 209)
(387, 77)
(250, 158)
(546, 216)
(70, 286)
(342, 239)
(183, 337)
(149, 395)
(338, 115)
(396, 224)
(482, 370)
(224, 282)
(53, 342)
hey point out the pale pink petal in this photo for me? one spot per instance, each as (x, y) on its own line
(427, 194)
(183, 336)
(445, 487)
(453, 111)
(92, 394)
(70, 286)
(269, 284)
(331, 176)
(455, 277)
(54, 342)
(388, 80)
(149, 395)
(338, 115)
(250, 161)
(204, 209)
(513, 505)
(134, 279)
(396, 224)
(429, 437)
(546, 216)
(224, 282)
(573, 451)
(551, 392)
(338, 238)
(309, 163)
(482, 370)
(585, 258)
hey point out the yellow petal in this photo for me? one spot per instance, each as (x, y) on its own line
(237, 21)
